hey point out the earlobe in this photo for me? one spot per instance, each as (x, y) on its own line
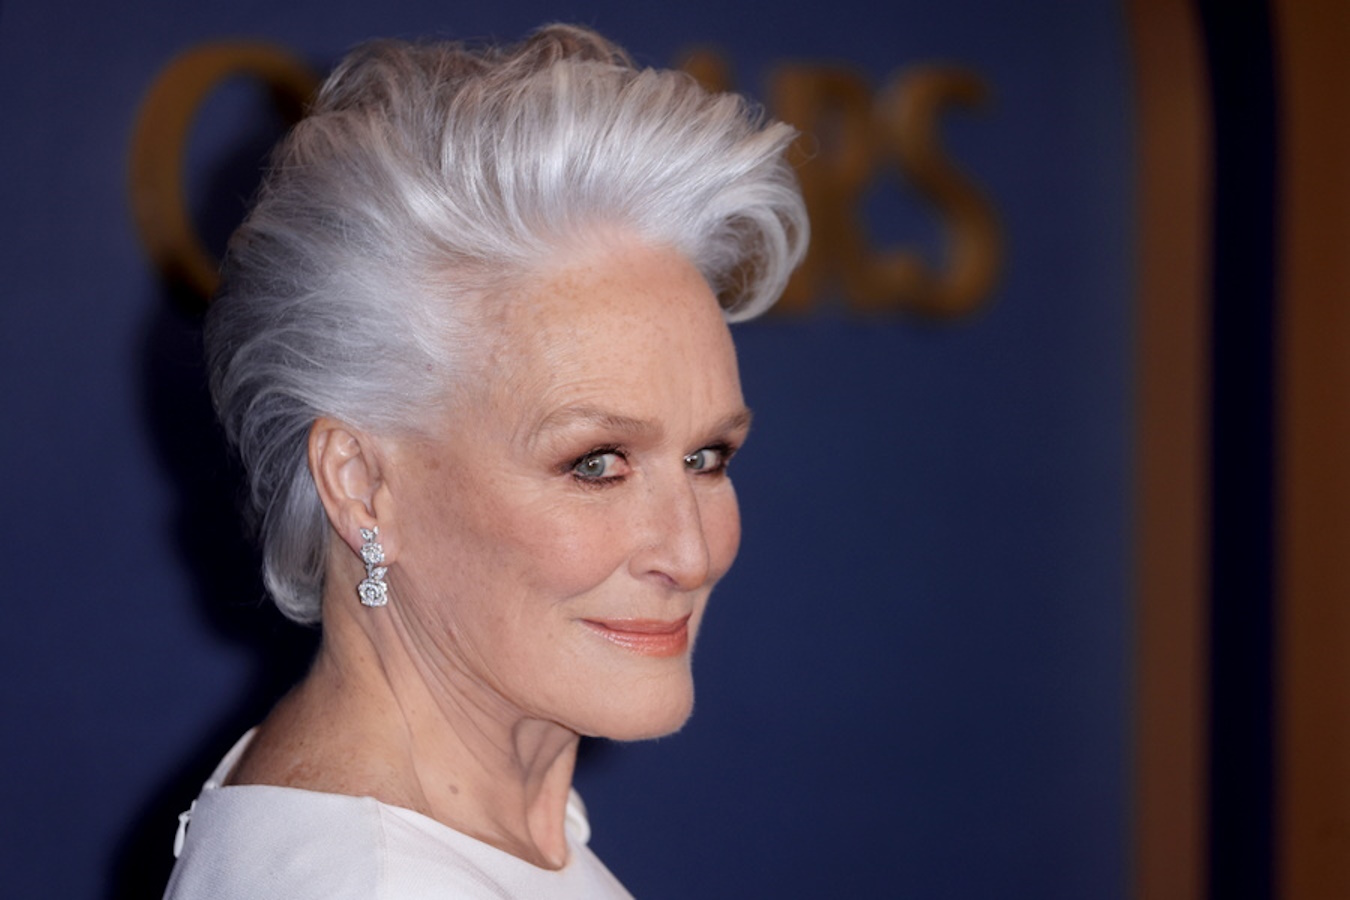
(346, 469)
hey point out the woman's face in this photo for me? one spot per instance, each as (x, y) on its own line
(559, 537)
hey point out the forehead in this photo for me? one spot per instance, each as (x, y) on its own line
(624, 313)
(644, 286)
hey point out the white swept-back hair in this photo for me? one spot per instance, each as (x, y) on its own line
(427, 174)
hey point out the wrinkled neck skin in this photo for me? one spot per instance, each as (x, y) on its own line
(380, 714)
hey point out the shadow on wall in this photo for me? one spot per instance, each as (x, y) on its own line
(207, 530)
(209, 535)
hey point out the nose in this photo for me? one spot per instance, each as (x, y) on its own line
(673, 542)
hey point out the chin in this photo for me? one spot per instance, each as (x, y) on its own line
(644, 718)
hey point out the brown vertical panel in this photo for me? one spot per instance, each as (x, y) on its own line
(1172, 536)
(1313, 656)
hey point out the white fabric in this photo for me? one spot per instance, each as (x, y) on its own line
(254, 842)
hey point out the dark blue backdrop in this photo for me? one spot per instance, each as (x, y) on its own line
(916, 681)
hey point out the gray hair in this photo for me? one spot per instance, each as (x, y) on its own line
(428, 174)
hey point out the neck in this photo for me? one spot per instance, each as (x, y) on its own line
(373, 718)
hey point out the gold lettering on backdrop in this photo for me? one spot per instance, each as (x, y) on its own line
(835, 158)
(709, 69)
(851, 136)
(909, 112)
(159, 146)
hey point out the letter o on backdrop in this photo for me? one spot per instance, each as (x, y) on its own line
(159, 146)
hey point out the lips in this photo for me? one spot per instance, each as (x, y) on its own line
(650, 637)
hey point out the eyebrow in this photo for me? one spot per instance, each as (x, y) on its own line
(591, 415)
(737, 421)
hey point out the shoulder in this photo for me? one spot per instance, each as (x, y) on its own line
(261, 842)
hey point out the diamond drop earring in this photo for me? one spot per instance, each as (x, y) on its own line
(373, 590)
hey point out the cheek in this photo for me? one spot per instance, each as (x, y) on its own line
(567, 551)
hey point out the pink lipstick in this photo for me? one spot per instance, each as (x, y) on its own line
(651, 637)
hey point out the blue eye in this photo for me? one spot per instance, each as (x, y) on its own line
(709, 459)
(597, 465)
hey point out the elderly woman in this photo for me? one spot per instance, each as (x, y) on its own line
(471, 345)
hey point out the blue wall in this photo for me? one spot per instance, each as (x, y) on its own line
(916, 681)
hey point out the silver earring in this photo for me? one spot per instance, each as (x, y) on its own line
(373, 591)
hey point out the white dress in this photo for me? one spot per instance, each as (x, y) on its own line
(254, 842)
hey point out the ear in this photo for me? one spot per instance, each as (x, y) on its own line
(345, 464)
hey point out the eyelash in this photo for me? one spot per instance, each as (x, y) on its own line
(725, 451)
